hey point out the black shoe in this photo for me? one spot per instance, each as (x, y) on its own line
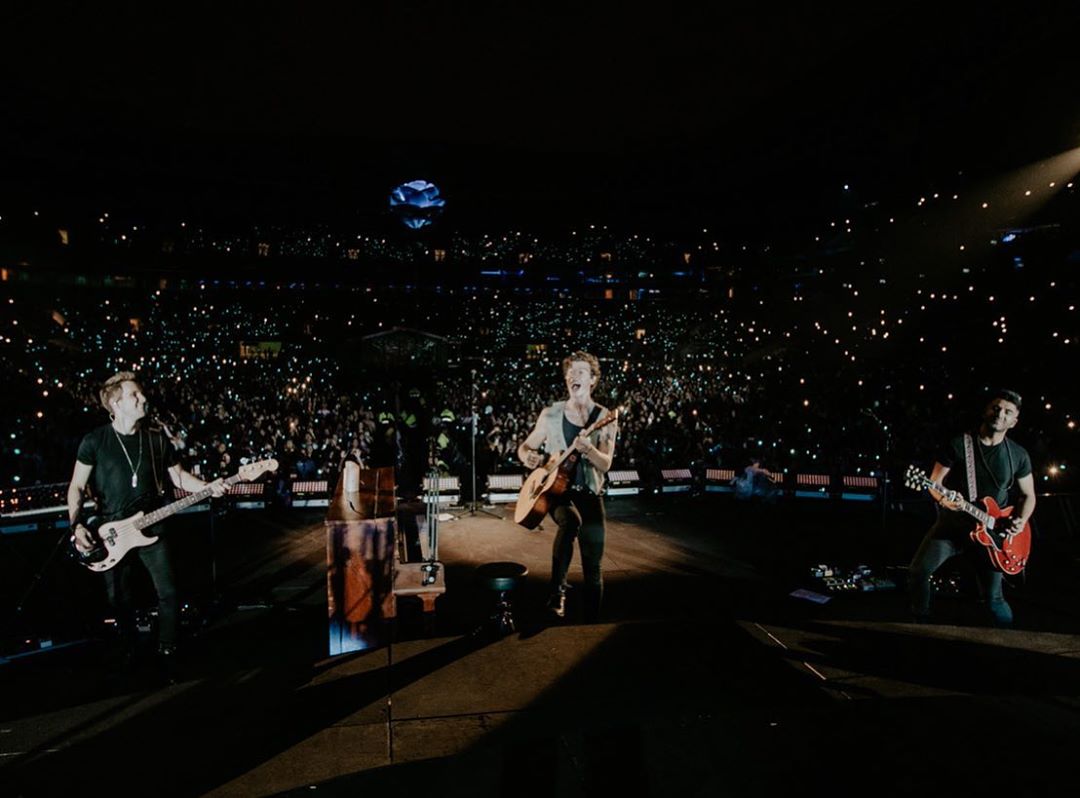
(557, 604)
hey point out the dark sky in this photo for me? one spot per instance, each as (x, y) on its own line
(524, 113)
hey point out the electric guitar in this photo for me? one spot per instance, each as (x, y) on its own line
(1008, 552)
(551, 480)
(114, 539)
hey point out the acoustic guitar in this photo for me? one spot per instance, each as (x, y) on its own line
(544, 485)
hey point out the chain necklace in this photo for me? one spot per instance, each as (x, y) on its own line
(134, 468)
(986, 465)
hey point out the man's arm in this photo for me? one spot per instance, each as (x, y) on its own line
(192, 484)
(599, 456)
(938, 475)
(79, 477)
(527, 451)
(1026, 507)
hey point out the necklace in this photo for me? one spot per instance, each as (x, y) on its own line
(134, 468)
(986, 464)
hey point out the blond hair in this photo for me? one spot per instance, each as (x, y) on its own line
(113, 387)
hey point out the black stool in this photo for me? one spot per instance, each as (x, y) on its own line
(502, 578)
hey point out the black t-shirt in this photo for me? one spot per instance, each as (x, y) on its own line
(103, 448)
(996, 470)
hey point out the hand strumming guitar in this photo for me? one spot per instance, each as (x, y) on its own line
(83, 540)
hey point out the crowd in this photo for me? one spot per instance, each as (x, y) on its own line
(848, 358)
(836, 373)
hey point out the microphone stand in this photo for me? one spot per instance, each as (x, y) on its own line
(476, 506)
(886, 444)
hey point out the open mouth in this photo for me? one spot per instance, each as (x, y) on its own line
(575, 386)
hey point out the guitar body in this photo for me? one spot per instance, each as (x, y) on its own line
(112, 541)
(544, 485)
(1008, 553)
(540, 490)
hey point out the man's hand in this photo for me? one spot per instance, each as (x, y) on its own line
(84, 542)
(583, 445)
(533, 459)
(217, 488)
(950, 500)
(1016, 525)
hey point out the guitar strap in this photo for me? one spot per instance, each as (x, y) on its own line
(589, 422)
(969, 461)
(595, 414)
(969, 457)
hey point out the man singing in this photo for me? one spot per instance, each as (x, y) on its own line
(579, 513)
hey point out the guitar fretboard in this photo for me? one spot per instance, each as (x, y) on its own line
(180, 504)
(976, 512)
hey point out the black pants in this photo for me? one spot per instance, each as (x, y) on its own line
(932, 554)
(580, 515)
(158, 563)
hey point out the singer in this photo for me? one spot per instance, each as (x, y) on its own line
(580, 514)
(128, 463)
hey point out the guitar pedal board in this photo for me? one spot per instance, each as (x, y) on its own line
(859, 580)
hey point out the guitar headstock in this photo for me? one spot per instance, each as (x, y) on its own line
(252, 471)
(916, 479)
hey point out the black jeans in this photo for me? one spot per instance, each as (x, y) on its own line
(932, 554)
(158, 563)
(580, 515)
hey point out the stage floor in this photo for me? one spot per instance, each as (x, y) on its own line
(705, 677)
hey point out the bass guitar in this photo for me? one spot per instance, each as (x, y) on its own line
(551, 480)
(1008, 552)
(114, 539)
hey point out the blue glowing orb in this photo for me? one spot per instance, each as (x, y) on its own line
(417, 203)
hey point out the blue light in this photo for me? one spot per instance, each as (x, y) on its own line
(417, 203)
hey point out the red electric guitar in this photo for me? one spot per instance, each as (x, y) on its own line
(1008, 553)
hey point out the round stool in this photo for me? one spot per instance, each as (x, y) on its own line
(502, 578)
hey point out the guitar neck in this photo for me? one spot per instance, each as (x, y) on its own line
(584, 433)
(973, 510)
(180, 504)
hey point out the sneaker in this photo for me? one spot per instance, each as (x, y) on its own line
(557, 604)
